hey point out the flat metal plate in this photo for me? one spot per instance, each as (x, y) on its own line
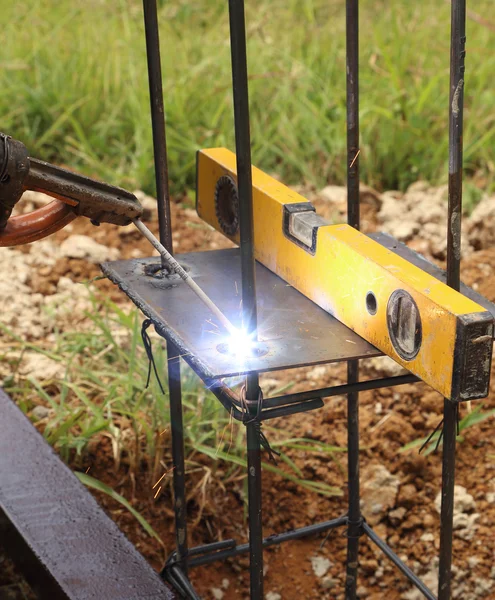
(420, 261)
(295, 330)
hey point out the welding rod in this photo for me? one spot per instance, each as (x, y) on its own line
(177, 268)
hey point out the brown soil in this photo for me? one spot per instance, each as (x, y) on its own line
(389, 418)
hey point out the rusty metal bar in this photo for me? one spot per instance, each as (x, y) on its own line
(158, 122)
(403, 568)
(249, 310)
(456, 110)
(352, 80)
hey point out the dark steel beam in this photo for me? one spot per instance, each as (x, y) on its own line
(456, 110)
(403, 568)
(338, 390)
(272, 540)
(249, 310)
(158, 122)
(178, 456)
(352, 79)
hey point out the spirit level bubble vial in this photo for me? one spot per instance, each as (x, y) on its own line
(433, 331)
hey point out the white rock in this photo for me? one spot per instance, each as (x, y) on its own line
(273, 596)
(430, 580)
(385, 366)
(465, 519)
(40, 412)
(379, 492)
(317, 373)
(82, 246)
(148, 203)
(463, 501)
(481, 224)
(474, 561)
(335, 194)
(328, 583)
(40, 367)
(483, 587)
(218, 594)
(320, 565)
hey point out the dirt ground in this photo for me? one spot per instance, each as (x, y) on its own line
(400, 489)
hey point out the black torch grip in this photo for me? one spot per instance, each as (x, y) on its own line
(14, 167)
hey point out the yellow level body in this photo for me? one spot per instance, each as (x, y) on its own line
(354, 278)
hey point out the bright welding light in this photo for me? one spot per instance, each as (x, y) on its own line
(240, 344)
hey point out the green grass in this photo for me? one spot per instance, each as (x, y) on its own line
(74, 88)
(471, 419)
(103, 393)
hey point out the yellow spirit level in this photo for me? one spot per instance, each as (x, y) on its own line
(433, 331)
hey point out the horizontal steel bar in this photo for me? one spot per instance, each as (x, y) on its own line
(271, 540)
(213, 547)
(292, 409)
(338, 390)
(306, 400)
(403, 568)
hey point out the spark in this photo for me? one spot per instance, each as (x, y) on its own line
(211, 331)
(355, 158)
(236, 290)
(164, 475)
(351, 342)
(212, 323)
(163, 431)
(220, 443)
(231, 419)
(158, 491)
(87, 470)
(180, 356)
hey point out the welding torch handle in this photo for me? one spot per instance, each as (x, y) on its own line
(74, 195)
(183, 274)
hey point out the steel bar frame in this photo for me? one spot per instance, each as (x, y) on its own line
(353, 219)
(451, 410)
(150, 12)
(176, 569)
(248, 277)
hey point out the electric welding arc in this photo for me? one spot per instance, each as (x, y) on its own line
(177, 268)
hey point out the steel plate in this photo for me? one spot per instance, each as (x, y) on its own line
(294, 330)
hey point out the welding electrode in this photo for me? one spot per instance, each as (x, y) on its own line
(176, 268)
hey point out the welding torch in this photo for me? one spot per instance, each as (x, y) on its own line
(74, 195)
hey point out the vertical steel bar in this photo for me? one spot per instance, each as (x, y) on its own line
(354, 510)
(456, 108)
(243, 153)
(177, 433)
(165, 228)
(352, 64)
(244, 183)
(158, 121)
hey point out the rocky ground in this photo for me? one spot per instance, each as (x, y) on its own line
(40, 292)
